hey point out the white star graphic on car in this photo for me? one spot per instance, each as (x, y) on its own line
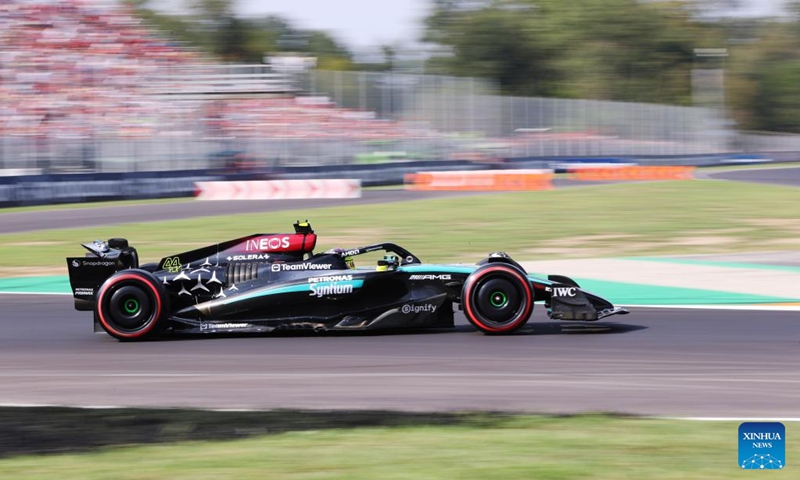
(206, 263)
(221, 294)
(233, 288)
(214, 278)
(183, 290)
(181, 276)
(199, 285)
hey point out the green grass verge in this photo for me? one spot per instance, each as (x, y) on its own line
(521, 447)
(651, 218)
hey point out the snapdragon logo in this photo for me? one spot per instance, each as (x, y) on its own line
(762, 446)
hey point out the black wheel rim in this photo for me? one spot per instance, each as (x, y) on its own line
(498, 299)
(129, 307)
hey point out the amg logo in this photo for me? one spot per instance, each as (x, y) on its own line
(430, 277)
(332, 278)
(564, 291)
(292, 267)
(762, 436)
(320, 290)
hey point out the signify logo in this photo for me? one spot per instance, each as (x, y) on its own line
(762, 446)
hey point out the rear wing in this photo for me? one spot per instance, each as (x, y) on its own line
(87, 274)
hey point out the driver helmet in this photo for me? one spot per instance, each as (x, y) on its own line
(347, 260)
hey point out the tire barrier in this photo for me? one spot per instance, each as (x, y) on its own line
(278, 189)
(614, 173)
(479, 180)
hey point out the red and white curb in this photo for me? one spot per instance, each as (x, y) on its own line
(278, 189)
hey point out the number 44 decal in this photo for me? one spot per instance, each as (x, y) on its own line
(172, 264)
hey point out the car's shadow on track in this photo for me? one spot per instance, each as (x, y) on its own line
(533, 328)
(564, 328)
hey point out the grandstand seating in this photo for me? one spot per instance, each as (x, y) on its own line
(78, 69)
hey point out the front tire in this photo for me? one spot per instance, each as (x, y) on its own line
(130, 305)
(497, 299)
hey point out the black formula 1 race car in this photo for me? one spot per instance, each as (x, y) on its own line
(268, 282)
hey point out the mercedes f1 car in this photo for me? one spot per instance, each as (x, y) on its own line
(269, 282)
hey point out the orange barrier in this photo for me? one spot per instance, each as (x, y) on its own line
(632, 173)
(481, 180)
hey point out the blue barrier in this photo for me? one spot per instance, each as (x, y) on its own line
(84, 187)
(81, 187)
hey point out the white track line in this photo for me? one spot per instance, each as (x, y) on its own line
(34, 293)
(732, 419)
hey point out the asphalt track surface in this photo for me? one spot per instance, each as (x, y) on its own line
(776, 176)
(652, 362)
(25, 221)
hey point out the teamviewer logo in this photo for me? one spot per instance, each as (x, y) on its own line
(762, 446)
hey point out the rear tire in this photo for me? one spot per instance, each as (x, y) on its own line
(497, 299)
(131, 305)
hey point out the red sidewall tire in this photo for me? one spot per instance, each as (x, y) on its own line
(485, 274)
(147, 285)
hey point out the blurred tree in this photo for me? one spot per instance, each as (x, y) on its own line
(763, 79)
(628, 50)
(389, 56)
(606, 49)
(214, 28)
(494, 42)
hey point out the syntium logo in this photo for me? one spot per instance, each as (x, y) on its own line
(327, 289)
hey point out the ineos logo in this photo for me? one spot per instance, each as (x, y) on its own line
(268, 243)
